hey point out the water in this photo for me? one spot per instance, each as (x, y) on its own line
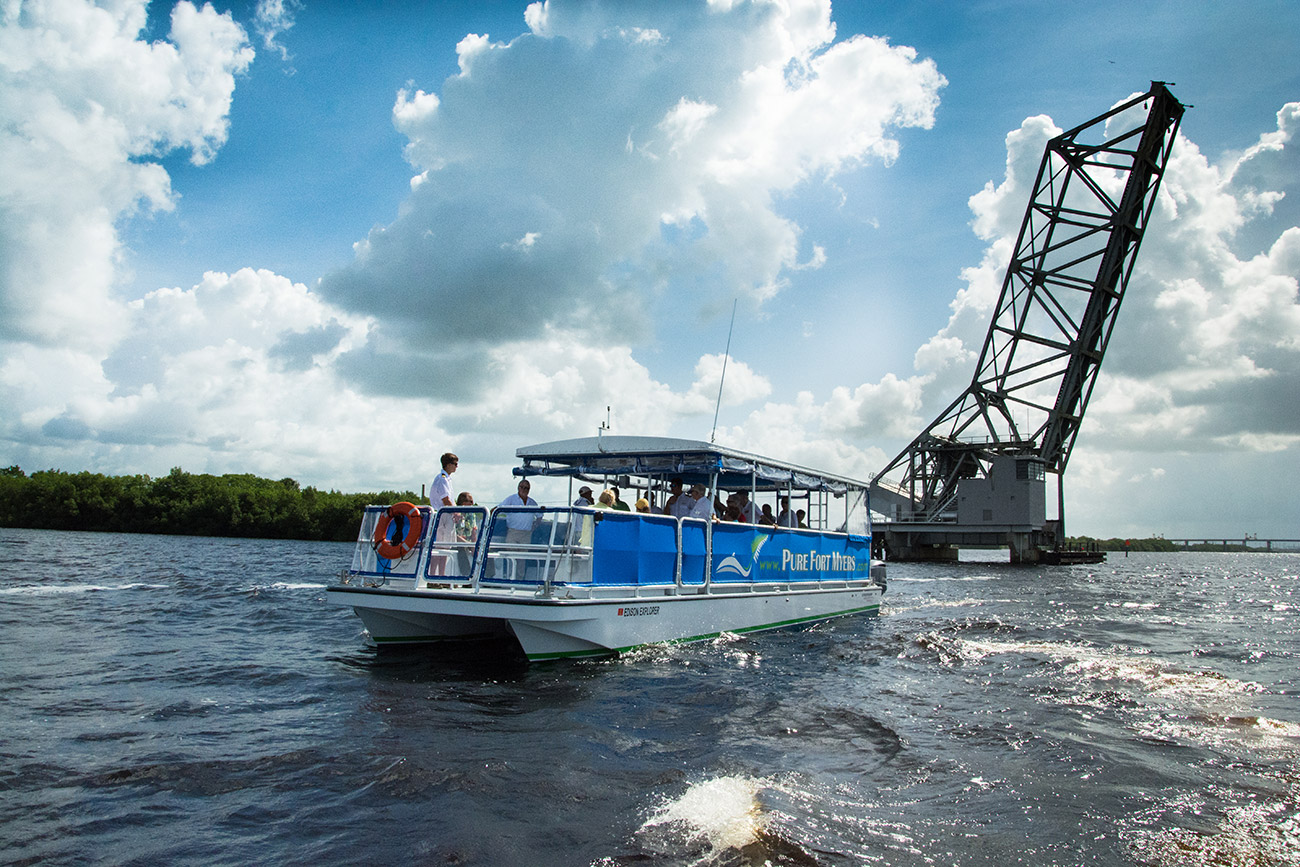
(196, 701)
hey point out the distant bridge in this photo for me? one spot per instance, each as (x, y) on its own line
(1243, 541)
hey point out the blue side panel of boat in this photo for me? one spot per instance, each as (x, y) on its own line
(736, 548)
(634, 549)
(658, 554)
(695, 552)
(744, 553)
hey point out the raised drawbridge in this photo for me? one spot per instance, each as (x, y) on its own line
(977, 474)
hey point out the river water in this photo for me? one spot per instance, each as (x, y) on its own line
(196, 701)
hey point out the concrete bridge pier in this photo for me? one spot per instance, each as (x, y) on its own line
(1024, 547)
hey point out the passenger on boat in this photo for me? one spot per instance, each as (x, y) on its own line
(766, 517)
(799, 516)
(786, 517)
(643, 506)
(440, 496)
(606, 500)
(748, 513)
(587, 523)
(701, 506)
(618, 501)
(676, 504)
(466, 531)
(440, 490)
(519, 525)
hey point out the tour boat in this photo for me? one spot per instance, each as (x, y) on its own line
(572, 581)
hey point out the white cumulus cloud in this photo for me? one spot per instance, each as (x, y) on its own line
(600, 133)
(89, 107)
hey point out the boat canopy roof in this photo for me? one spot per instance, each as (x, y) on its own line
(594, 459)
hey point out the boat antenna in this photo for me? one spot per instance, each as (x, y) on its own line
(723, 378)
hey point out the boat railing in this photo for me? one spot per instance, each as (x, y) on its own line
(453, 544)
(542, 549)
(527, 545)
(600, 548)
(369, 565)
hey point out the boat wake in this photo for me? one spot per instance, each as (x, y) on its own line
(58, 589)
(287, 585)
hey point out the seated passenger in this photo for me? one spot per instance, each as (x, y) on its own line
(676, 499)
(786, 517)
(766, 518)
(643, 506)
(748, 513)
(701, 506)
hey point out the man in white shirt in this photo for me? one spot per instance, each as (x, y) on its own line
(585, 499)
(519, 525)
(677, 503)
(440, 496)
(786, 518)
(440, 490)
(701, 506)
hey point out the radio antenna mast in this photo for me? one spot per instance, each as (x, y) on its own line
(723, 378)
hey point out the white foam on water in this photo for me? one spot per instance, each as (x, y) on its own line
(58, 589)
(941, 578)
(1225, 730)
(709, 817)
(1161, 679)
(1089, 663)
(925, 604)
(1178, 705)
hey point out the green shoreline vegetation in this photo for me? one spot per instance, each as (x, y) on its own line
(1087, 543)
(184, 504)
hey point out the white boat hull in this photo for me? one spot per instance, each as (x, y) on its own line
(553, 628)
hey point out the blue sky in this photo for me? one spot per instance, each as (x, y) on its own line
(217, 253)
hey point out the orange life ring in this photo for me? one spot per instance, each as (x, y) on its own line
(394, 550)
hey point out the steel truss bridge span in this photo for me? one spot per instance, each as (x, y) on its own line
(979, 468)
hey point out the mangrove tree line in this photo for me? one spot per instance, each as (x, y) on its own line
(181, 503)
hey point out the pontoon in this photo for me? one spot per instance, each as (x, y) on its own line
(573, 581)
